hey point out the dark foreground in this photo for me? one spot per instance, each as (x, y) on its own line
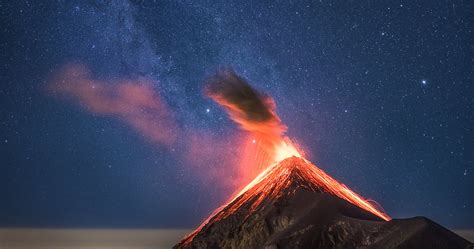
(103, 238)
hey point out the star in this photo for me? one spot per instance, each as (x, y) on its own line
(424, 82)
(208, 110)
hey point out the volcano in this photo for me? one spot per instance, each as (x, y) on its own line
(294, 204)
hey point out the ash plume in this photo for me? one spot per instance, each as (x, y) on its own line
(228, 87)
(251, 109)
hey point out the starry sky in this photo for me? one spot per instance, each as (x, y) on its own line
(378, 93)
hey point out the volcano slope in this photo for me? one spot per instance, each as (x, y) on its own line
(290, 208)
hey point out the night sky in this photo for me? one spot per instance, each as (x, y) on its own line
(378, 93)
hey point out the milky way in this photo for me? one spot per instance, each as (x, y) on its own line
(377, 94)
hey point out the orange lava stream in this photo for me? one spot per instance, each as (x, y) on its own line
(271, 182)
(287, 149)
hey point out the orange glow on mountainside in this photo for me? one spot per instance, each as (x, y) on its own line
(281, 179)
(273, 180)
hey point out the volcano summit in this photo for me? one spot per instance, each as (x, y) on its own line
(293, 204)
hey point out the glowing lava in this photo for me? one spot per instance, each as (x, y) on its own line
(285, 149)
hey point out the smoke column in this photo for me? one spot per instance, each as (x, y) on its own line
(254, 112)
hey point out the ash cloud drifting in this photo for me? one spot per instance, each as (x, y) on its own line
(230, 161)
(136, 102)
(133, 101)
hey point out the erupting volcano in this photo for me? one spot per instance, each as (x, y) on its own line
(255, 113)
(292, 203)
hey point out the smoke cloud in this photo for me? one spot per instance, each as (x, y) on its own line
(133, 101)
